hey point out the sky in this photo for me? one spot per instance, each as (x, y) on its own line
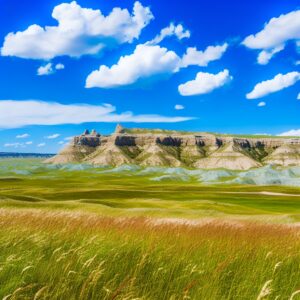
(215, 66)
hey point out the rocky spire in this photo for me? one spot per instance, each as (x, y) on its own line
(95, 133)
(119, 129)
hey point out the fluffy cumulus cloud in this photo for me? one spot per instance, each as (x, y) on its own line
(49, 69)
(204, 83)
(276, 33)
(149, 60)
(59, 66)
(146, 61)
(179, 107)
(41, 145)
(265, 55)
(293, 132)
(279, 82)
(203, 58)
(298, 97)
(80, 31)
(15, 114)
(45, 70)
(261, 104)
(172, 30)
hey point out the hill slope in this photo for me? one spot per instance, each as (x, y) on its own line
(171, 148)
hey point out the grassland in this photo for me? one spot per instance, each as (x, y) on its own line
(90, 234)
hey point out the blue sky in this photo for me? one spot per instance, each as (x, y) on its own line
(227, 66)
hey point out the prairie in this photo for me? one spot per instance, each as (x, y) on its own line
(77, 232)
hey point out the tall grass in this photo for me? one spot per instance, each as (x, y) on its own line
(60, 255)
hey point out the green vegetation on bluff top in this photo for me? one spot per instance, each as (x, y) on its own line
(155, 131)
(253, 136)
(184, 132)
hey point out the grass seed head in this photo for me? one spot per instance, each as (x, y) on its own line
(294, 294)
(265, 291)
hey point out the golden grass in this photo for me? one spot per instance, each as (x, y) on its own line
(73, 255)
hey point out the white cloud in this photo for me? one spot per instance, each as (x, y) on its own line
(52, 136)
(265, 55)
(18, 145)
(41, 145)
(59, 66)
(279, 82)
(298, 97)
(150, 61)
(204, 83)
(61, 142)
(15, 114)
(172, 30)
(15, 145)
(276, 33)
(23, 136)
(203, 58)
(45, 70)
(49, 69)
(69, 138)
(297, 63)
(293, 132)
(179, 107)
(261, 104)
(146, 61)
(80, 31)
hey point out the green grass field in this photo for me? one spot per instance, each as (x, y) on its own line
(85, 233)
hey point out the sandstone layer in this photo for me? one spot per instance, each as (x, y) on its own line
(174, 149)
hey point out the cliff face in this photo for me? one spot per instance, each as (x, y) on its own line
(80, 147)
(159, 148)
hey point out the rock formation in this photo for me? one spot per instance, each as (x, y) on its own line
(80, 147)
(228, 156)
(174, 148)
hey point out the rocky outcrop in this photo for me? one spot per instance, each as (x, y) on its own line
(286, 155)
(228, 156)
(71, 153)
(173, 148)
(119, 129)
(158, 155)
(109, 154)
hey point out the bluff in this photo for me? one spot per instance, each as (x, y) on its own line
(175, 148)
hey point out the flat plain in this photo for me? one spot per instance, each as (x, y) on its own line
(82, 232)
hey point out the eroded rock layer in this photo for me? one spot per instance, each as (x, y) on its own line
(172, 148)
